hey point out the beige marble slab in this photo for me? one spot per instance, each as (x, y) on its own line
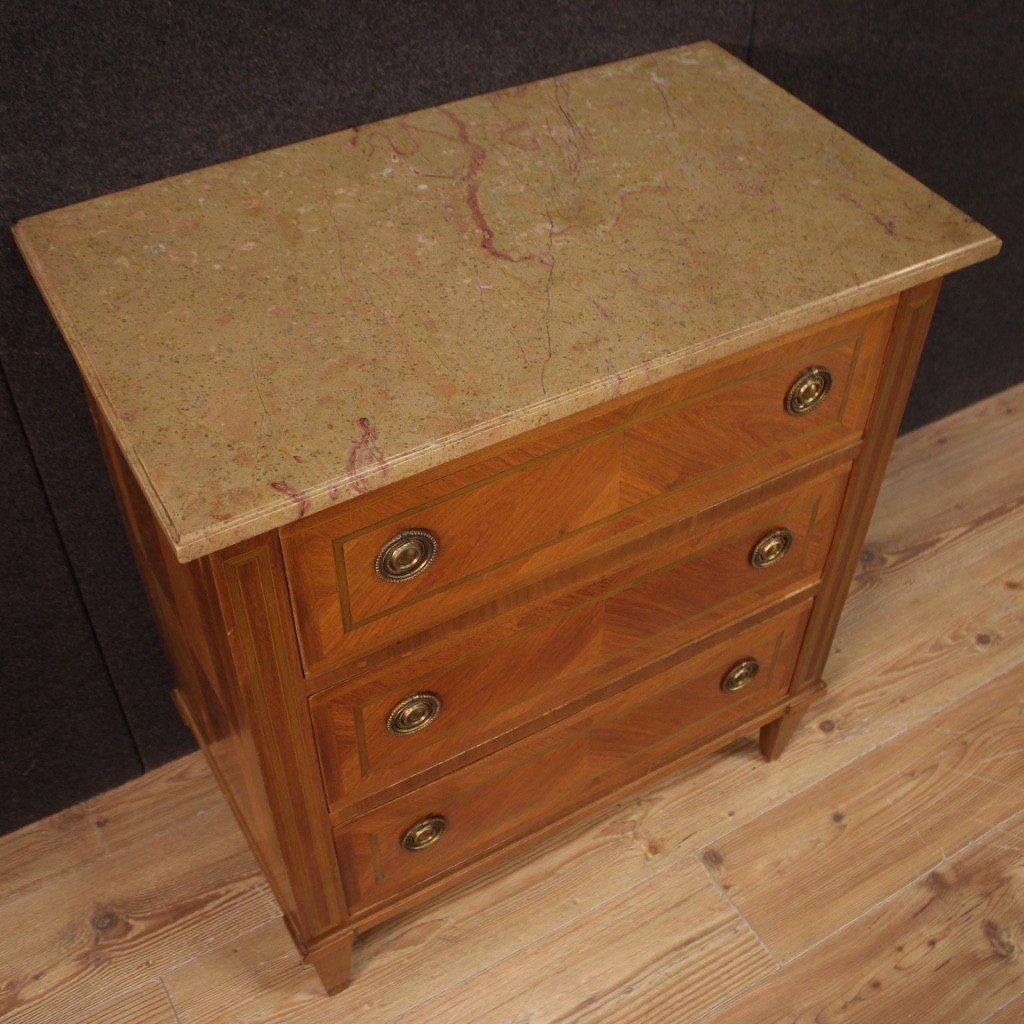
(272, 336)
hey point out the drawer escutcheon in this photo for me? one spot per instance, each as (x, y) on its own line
(405, 556)
(414, 713)
(771, 548)
(740, 675)
(424, 833)
(809, 390)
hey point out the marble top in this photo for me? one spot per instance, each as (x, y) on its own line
(271, 336)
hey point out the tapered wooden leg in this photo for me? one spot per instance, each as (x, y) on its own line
(333, 962)
(776, 735)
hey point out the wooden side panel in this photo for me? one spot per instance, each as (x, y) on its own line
(215, 708)
(909, 330)
(180, 590)
(557, 771)
(184, 607)
(252, 595)
(682, 588)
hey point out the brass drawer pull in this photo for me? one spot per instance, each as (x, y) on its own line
(809, 390)
(770, 548)
(406, 555)
(424, 833)
(740, 675)
(416, 712)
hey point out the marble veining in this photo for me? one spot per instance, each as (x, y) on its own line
(274, 335)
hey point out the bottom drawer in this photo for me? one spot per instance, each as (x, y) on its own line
(532, 783)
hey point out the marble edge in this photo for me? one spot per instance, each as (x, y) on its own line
(402, 466)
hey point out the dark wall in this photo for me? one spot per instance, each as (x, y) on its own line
(104, 96)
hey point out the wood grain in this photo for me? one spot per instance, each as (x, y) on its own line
(482, 924)
(181, 794)
(148, 1004)
(1012, 1013)
(978, 449)
(672, 925)
(909, 331)
(294, 839)
(946, 948)
(803, 870)
(126, 916)
(48, 847)
(523, 925)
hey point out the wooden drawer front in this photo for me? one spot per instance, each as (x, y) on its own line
(682, 589)
(674, 452)
(562, 768)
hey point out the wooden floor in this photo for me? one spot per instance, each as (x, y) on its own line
(874, 874)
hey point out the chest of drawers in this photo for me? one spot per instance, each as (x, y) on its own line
(486, 464)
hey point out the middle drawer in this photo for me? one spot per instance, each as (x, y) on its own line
(395, 724)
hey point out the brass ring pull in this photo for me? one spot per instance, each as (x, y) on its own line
(740, 675)
(770, 548)
(416, 712)
(809, 390)
(424, 833)
(406, 555)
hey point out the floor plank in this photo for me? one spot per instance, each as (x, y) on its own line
(123, 917)
(46, 848)
(917, 499)
(1012, 1013)
(944, 950)
(146, 1005)
(180, 792)
(675, 924)
(809, 866)
(431, 951)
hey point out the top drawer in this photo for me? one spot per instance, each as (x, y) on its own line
(515, 516)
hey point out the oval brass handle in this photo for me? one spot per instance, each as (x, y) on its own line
(413, 713)
(424, 833)
(406, 555)
(809, 390)
(771, 547)
(740, 675)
